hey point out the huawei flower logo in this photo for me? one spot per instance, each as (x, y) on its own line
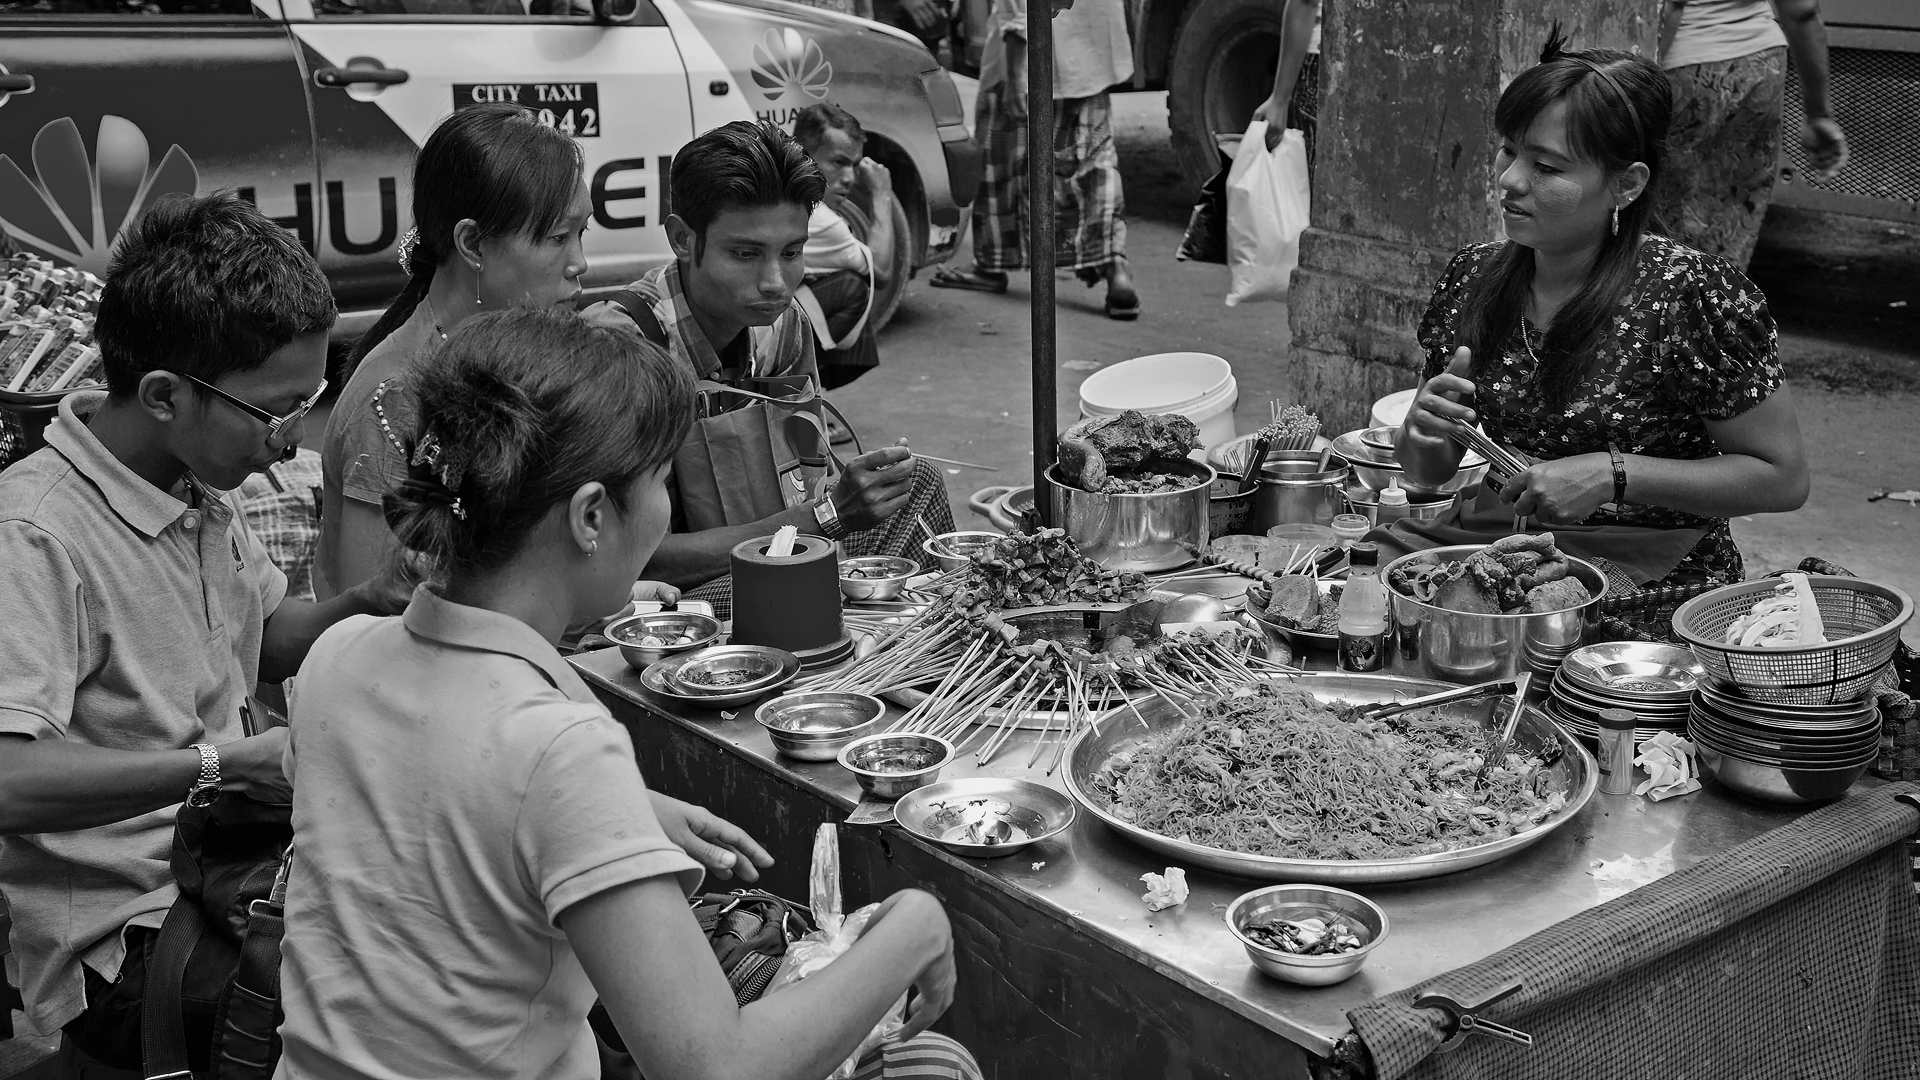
(783, 61)
(73, 210)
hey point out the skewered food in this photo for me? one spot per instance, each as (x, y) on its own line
(1788, 619)
(1293, 428)
(1524, 573)
(46, 326)
(1118, 454)
(1040, 569)
(1274, 771)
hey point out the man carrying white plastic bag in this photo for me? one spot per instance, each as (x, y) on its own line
(1267, 207)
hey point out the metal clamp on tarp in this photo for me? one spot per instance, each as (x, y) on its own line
(1465, 1020)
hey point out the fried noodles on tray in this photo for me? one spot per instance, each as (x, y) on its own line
(1277, 772)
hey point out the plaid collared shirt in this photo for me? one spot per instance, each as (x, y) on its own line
(282, 505)
(782, 349)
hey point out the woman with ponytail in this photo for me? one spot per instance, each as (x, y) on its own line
(1640, 377)
(499, 208)
(477, 857)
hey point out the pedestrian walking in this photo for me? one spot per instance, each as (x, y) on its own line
(1091, 52)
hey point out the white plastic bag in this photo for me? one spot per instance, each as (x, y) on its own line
(1267, 209)
(835, 936)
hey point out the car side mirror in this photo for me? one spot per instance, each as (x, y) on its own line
(615, 12)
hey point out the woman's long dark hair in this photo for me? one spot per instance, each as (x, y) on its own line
(1618, 109)
(497, 164)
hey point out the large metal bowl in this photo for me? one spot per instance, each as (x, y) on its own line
(1304, 901)
(1120, 731)
(813, 725)
(1136, 532)
(1433, 643)
(1793, 786)
(1376, 469)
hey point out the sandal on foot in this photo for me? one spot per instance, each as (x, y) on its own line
(945, 277)
(1126, 309)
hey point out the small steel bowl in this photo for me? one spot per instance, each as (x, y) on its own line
(813, 725)
(956, 814)
(952, 550)
(1306, 901)
(1375, 468)
(762, 666)
(705, 629)
(892, 785)
(896, 572)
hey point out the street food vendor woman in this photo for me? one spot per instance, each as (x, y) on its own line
(1640, 377)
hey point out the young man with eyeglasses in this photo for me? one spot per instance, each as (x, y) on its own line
(139, 608)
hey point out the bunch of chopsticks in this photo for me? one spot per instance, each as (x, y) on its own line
(1505, 465)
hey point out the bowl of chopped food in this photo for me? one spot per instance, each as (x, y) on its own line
(650, 637)
(953, 550)
(1313, 935)
(893, 764)
(815, 725)
(1469, 613)
(983, 816)
(875, 577)
(729, 670)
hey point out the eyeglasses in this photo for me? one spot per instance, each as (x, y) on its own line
(277, 426)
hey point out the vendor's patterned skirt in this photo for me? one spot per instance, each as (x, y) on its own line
(1723, 153)
(1091, 226)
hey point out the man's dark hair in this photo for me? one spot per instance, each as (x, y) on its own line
(814, 120)
(742, 164)
(206, 287)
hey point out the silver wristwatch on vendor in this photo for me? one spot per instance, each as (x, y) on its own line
(207, 785)
(828, 518)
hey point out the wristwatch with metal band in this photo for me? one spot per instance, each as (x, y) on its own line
(828, 518)
(208, 784)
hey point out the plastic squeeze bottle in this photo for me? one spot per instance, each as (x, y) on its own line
(1393, 503)
(1363, 613)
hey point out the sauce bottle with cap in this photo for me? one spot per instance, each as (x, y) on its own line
(1393, 503)
(1363, 613)
(1616, 750)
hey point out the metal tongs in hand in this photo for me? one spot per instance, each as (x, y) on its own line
(1521, 685)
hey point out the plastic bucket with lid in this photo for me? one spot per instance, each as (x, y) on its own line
(1198, 386)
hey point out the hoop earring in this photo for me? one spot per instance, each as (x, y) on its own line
(592, 546)
(1616, 219)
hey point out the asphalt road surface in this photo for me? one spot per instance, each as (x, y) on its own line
(955, 366)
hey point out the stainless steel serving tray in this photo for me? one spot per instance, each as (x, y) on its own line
(1120, 731)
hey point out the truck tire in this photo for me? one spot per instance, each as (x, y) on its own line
(1221, 69)
(888, 301)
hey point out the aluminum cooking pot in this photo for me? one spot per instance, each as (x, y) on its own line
(1135, 532)
(1295, 490)
(1434, 643)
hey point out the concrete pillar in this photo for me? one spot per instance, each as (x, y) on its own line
(1404, 176)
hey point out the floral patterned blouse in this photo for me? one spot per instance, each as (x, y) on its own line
(1692, 341)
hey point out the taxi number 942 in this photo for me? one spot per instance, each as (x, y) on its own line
(573, 108)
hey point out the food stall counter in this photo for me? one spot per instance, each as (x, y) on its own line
(1087, 880)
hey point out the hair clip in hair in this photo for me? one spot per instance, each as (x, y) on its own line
(408, 243)
(428, 452)
(458, 510)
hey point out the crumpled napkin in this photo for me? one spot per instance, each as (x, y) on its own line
(1671, 770)
(1165, 890)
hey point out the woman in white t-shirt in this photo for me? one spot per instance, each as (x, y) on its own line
(476, 855)
(1728, 63)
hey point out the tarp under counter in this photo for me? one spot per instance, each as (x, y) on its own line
(1063, 970)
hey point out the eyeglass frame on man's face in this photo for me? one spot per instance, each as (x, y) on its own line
(277, 426)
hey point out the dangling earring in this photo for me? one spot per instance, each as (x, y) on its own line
(1616, 219)
(479, 303)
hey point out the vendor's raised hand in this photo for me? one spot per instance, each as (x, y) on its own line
(878, 180)
(1441, 404)
(934, 986)
(875, 487)
(722, 847)
(1565, 491)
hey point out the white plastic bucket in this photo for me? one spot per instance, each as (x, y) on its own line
(1198, 386)
(1391, 411)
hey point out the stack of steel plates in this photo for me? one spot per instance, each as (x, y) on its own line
(1781, 752)
(1654, 682)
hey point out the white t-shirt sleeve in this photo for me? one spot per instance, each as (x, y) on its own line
(586, 825)
(831, 244)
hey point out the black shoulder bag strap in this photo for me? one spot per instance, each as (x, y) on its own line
(636, 308)
(243, 1034)
(163, 1025)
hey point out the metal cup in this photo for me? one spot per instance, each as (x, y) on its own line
(1294, 489)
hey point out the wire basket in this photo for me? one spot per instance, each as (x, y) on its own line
(1864, 619)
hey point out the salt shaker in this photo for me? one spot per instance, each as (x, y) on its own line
(1616, 750)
